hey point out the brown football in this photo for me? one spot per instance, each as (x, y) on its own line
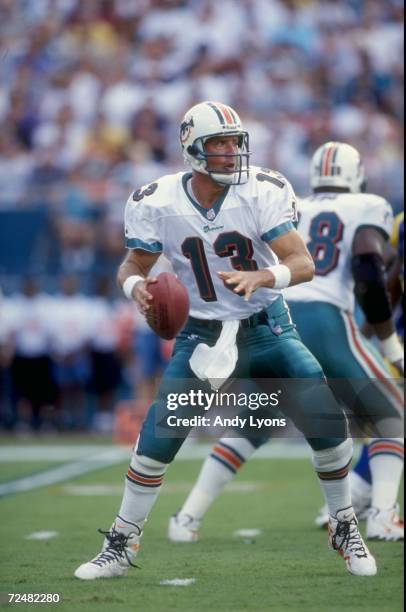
(170, 306)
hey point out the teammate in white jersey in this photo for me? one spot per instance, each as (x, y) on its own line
(330, 222)
(224, 227)
(345, 232)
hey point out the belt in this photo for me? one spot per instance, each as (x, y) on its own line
(259, 318)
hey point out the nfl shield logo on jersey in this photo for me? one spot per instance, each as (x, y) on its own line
(211, 214)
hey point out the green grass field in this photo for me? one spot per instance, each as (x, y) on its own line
(287, 567)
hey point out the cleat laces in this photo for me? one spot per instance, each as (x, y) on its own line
(115, 550)
(350, 538)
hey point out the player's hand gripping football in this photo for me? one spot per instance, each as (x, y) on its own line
(245, 283)
(141, 295)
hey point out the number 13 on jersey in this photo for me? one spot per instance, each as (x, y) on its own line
(229, 244)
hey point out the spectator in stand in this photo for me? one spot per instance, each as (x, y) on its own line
(8, 412)
(71, 333)
(105, 359)
(29, 344)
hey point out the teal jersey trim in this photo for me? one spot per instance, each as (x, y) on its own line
(281, 229)
(135, 243)
(209, 214)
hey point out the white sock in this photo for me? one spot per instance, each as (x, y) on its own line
(337, 494)
(332, 466)
(225, 459)
(142, 485)
(386, 465)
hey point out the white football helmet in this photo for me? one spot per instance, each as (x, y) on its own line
(336, 164)
(208, 119)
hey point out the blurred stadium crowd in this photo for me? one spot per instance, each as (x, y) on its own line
(91, 97)
(67, 359)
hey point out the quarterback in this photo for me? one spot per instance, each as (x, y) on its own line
(228, 230)
(345, 231)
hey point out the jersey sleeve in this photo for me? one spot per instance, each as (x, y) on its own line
(379, 215)
(141, 228)
(277, 208)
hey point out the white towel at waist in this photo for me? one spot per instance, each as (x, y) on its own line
(217, 363)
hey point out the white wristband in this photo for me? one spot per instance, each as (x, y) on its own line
(129, 283)
(282, 276)
(392, 348)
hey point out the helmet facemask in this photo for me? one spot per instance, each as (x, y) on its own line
(238, 175)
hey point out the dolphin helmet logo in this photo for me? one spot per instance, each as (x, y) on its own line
(185, 129)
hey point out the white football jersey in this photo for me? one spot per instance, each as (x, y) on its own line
(232, 235)
(328, 223)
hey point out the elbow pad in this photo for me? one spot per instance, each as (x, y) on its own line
(368, 270)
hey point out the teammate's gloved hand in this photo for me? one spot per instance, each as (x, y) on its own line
(245, 283)
(141, 295)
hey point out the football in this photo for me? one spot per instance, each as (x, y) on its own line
(170, 306)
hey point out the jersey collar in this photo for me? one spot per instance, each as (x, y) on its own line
(209, 214)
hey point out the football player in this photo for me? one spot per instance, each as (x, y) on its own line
(225, 227)
(345, 231)
(361, 474)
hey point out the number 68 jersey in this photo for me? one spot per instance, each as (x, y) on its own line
(164, 217)
(328, 223)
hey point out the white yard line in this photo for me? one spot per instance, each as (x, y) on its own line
(90, 458)
(57, 452)
(61, 473)
(190, 450)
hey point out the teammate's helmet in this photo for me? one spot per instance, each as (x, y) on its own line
(336, 164)
(204, 121)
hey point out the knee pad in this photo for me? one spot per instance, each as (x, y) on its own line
(334, 458)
